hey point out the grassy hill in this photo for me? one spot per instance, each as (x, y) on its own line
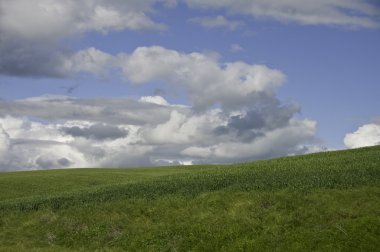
(326, 201)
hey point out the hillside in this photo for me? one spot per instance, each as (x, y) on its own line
(326, 201)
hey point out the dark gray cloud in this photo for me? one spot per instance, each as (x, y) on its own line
(96, 132)
(30, 59)
(268, 117)
(252, 120)
(63, 162)
(255, 122)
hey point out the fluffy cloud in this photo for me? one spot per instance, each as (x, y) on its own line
(366, 135)
(216, 22)
(89, 60)
(354, 13)
(29, 145)
(207, 81)
(31, 31)
(49, 19)
(184, 128)
(33, 145)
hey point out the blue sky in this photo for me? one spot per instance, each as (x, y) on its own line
(233, 81)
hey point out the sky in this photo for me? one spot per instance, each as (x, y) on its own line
(117, 83)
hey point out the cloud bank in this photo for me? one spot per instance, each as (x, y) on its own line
(35, 31)
(234, 115)
(231, 112)
(177, 135)
(350, 13)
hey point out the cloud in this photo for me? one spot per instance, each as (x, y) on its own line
(169, 3)
(207, 81)
(184, 128)
(47, 132)
(48, 161)
(96, 131)
(236, 48)
(33, 145)
(154, 99)
(350, 13)
(253, 123)
(97, 110)
(51, 20)
(32, 156)
(366, 135)
(23, 58)
(278, 142)
(89, 60)
(31, 33)
(234, 116)
(271, 116)
(36, 145)
(216, 22)
(4, 142)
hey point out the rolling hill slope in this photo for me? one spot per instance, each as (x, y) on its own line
(325, 201)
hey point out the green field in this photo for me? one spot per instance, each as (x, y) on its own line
(319, 202)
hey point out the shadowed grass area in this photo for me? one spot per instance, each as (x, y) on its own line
(325, 201)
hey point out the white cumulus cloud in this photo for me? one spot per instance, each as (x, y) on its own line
(206, 80)
(366, 135)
